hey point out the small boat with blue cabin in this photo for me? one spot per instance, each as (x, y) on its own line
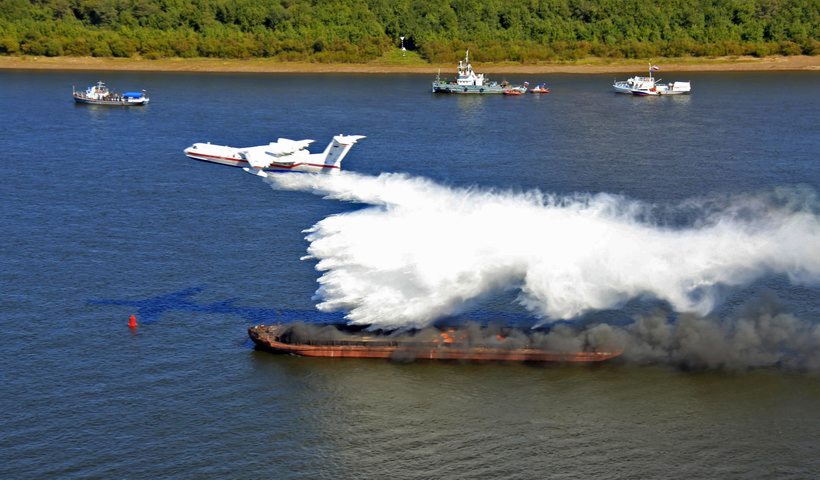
(467, 81)
(100, 94)
(648, 86)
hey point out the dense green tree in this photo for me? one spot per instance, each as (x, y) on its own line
(361, 30)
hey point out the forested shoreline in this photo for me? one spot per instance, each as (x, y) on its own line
(353, 31)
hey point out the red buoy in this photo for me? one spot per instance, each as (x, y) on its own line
(132, 322)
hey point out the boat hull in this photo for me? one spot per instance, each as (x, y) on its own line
(268, 337)
(113, 103)
(658, 91)
(647, 86)
(622, 88)
(444, 87)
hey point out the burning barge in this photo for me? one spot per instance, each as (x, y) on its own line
(469, 344)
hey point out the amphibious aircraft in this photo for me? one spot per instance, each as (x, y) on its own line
(282, 155)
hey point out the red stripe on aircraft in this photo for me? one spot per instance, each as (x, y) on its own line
(238, 161)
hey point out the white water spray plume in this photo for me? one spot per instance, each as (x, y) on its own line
(422, 251)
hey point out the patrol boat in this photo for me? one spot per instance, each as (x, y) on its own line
(648, 86)
(100, 94)
(467, 81)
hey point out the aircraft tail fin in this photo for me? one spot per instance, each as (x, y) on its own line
(337, 150)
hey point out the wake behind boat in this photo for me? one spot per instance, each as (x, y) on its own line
(649, 86)
(282, 155)
(100, 94)
(467, 81)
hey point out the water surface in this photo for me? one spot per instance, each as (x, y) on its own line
(101, 204)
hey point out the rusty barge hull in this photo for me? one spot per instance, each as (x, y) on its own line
(268, 338)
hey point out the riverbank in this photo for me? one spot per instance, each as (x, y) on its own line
(266, 65)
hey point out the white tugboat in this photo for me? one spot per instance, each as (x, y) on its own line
(646, 86)
(467, 81)
(100, 94)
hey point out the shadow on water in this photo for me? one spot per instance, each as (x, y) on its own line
(150, 309)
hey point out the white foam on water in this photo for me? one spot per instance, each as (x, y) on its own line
(418, 251)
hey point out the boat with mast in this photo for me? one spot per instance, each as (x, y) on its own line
(649, 86)
(100, 94)
(467, 81)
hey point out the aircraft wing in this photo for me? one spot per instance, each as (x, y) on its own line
(277, 152)
(284, 146)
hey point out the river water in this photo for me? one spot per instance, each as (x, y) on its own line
(490, 215)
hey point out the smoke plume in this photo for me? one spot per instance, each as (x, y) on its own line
(762, 334)
(419, 251)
